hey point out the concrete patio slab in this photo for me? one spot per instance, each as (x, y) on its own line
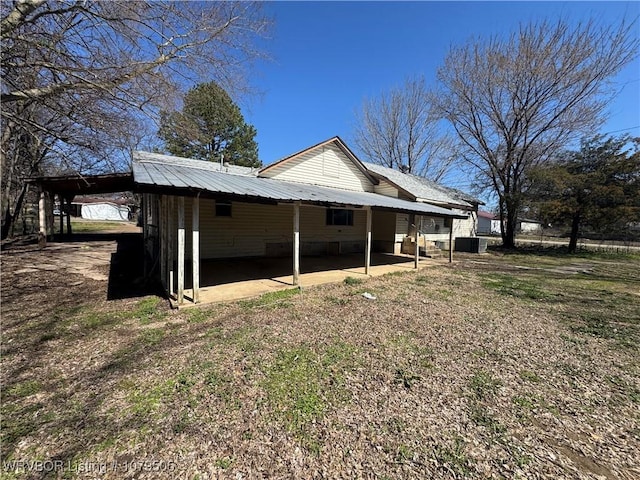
(235, 279)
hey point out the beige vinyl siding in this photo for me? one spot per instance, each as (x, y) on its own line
(259, 230)
(468, 227)
(248, 230)
(243, 234)
(402, 226)
(385, 188)
(252, 227)
(326, 166)
(433, 228)
(313, 226)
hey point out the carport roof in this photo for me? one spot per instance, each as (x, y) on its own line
(71, 185)
(152, 174)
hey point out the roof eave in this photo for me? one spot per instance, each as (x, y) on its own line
(192, 192)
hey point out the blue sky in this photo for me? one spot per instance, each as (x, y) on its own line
(328, 56)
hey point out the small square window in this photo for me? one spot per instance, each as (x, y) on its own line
(223, 209)
(339, 216)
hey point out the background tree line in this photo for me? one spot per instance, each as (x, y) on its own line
(513, 104)
(82, 79)
(595, 189)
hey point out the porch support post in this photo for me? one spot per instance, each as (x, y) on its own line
(69, 216)
(367, 247)
(172, 236)
(451, 242)
(416, 260)
(60, 212)
(195, 243)
(51, 224)
(181, 241)
(296, 243)
(163, 240)
(42, 218)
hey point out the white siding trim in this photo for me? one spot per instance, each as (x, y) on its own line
(326, 166)
(385, 188)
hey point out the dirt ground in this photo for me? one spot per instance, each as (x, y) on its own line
(498, 366)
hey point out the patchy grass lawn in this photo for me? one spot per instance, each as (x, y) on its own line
(498, 366)
(81, 225)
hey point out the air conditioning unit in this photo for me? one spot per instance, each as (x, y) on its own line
(471, 244)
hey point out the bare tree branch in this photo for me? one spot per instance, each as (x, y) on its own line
(398, 130)
(78, 77)
(515, 102)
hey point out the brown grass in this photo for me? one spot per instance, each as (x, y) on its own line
(499, 366)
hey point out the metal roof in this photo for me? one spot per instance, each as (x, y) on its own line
(423, 188)
(489, 215)
(199, 164)
(153, 173)
(71, 185)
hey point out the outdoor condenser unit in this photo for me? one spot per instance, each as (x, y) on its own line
(471, 244)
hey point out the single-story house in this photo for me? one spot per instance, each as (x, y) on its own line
(105, 211)
(488, 223)
(527, 225)
(101, 208)
(319, 201)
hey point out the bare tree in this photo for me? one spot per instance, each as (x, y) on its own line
(398, 130)
(78, 77)
(515, 102)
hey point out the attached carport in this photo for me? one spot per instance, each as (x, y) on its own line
(66, 188)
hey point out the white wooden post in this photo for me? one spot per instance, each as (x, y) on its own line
(367, 248)
(181, 239)
(417, 252)
(172, 236)
(68, 216)
(195, 244)
(61, 218)
(451, 242)
(42, 218)
(296, 243)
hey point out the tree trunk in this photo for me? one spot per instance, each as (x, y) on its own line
(575, 230)
(509, 238)
(6, 225)
(10, 218)
(502, 215)
(509, 218)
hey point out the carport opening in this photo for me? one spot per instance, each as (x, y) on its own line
(64, 197)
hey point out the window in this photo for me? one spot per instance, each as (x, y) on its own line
(223, 209)
(339, 216)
